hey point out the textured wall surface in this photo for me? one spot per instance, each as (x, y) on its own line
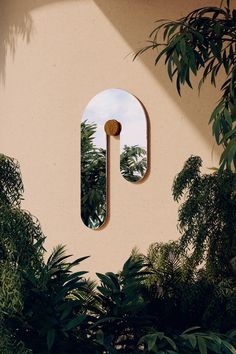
(54, 57)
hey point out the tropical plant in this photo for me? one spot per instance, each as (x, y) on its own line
(8, 345)
(21, 249)
(46, 308)
(203, 42)
(133, 162)
(188, 342)
(63, 298)
(179, 295)
(93, 178)
(43, 305)
(21, 237)
(122, 317)
(207, 217)
(202, 263)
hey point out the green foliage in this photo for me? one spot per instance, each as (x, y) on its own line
(8, 344)
(54, 318)
(61, 297)
(179, 295)
(204, 41)
(11, 187)
(133, 163)
(122, 317)
(19, 231)
(187, 342)
(207, 217)
(48, 308)
(42, 305)
(20, 248)
(93, 178)
(11, 299)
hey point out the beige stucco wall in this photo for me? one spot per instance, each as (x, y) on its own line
(54, 57)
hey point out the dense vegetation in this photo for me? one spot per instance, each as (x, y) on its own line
(203, 43)
(169, 301)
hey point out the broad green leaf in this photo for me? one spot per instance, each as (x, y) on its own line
(229, 346)
(50, 338)
(75, 322)
(183, 47)
(192, 339)
(202, 345)
(171, 342)
(216, 111)
(150, 339)
(106, 280)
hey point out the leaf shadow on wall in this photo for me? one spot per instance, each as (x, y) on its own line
(16, 23)
(135, 20)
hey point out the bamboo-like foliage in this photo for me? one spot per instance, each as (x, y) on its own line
(133, 162)
(21, 249)
(190, 341)
(204, 42)
(207, 216)
(93, 178)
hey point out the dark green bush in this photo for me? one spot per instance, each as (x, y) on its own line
(203, 43)
(46, 307)
(207, 217)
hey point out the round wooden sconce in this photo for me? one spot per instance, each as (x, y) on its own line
(112, 127)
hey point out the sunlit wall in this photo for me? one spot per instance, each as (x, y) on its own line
(54, 57)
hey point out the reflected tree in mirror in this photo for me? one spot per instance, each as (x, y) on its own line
(133, 163)
(93, 178)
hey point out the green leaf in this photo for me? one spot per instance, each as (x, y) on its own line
(231, 349)
(216, 111)
(75, 322)
(172, 30)
(231, 151)
(161, 54)
(199, 36)
(50, 338)
(230, 134)
(202, 345)
(171, 342)
(183, 47)
(106, 319)
(106, 280)
(232, 334)
(178, 85)
(151, 341)
(169, 66)
(228, 117)
(192, 339)
(176, 61)
(188, 79)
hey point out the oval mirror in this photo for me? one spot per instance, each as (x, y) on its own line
(121, 106)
